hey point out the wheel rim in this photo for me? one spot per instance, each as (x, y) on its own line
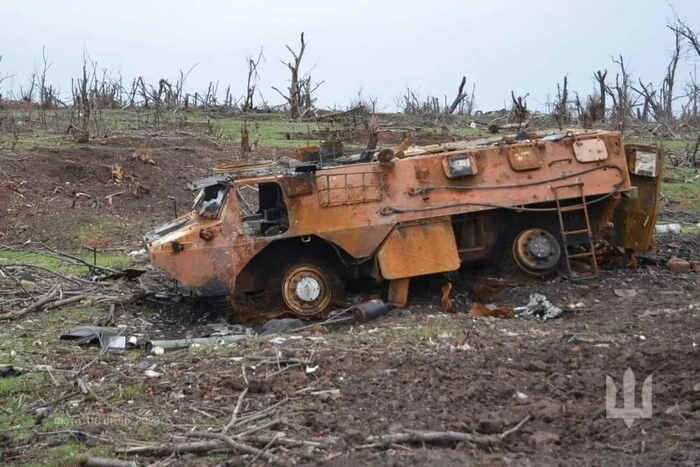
(306, 290)
(536, 251)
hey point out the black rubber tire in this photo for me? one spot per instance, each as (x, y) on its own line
(269, 303)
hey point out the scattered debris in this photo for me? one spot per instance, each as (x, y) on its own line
(490, 311)
(144, 154)
(625, 293)
(538, 307)
(669, 228)
(446, 302)
(107, 338)
(679, 265)
(104, 462)
(275, 326)
(369, 310)
(152, 347)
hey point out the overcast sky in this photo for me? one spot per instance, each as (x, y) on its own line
(379, 46)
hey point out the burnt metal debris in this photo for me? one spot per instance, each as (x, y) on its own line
(283, 239)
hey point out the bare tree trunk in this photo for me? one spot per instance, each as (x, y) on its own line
(252, 82)
(461, 95)
(299, 95)
(561, 108)
(600, 78)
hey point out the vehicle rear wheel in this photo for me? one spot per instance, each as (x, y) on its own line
(536, 252)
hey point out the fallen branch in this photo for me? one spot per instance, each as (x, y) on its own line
(103, 462)
(48, 297)
(234, 445)
(262, 452)
(237, 408)
(165, 449)
(222, 443)
(17, 281)
(38, 369)
(79, 260)
(415, 436)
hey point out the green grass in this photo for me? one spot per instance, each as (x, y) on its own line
(685, 195)
(273, 128)
(104, 258)
(667, 144)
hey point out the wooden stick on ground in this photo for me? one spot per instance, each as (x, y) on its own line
(234, 415)
(48, 297)
(415, 436)
(103, 462)
(235, 445)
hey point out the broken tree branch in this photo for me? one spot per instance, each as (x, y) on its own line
(415, 436)
(461, 95)
(48, 297)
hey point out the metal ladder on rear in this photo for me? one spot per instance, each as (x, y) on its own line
(562, 211)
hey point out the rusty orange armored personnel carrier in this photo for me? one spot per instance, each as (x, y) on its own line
(282, 239)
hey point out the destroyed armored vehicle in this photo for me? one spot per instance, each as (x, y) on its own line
(284, 239)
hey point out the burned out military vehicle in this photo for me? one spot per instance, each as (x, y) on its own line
(285, 238)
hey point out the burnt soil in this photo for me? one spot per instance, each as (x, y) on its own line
(413, 369)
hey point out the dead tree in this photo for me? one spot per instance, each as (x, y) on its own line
(300, 91)
(46, 96)
(681, 28)
(602, 86)
(561, 107)
(691, 109)
(252, 82)
(620, 95)
(81, 100)
(3, 78)
(519, 111)
(461, 95)
(659, 106)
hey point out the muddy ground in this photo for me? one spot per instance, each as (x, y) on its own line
(323, 393)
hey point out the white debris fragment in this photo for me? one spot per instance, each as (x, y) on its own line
(327, 395)
(158, 351)
(138, 256)
(668, 228)
(152, 374)
(521, 395)
(311, 369)
(538, 307)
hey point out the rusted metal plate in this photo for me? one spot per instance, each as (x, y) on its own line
(525, 158)
(590, 150)
(297, 184)
(359, 242)
(419, 248)
(635, 217)
(458, 166)
(308, 153)
(338, 189)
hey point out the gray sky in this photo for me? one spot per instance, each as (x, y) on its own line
(381, 46)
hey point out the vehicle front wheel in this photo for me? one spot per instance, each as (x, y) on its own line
(309, 290)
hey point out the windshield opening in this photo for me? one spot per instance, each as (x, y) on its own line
(263, 211)
(210, 200)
